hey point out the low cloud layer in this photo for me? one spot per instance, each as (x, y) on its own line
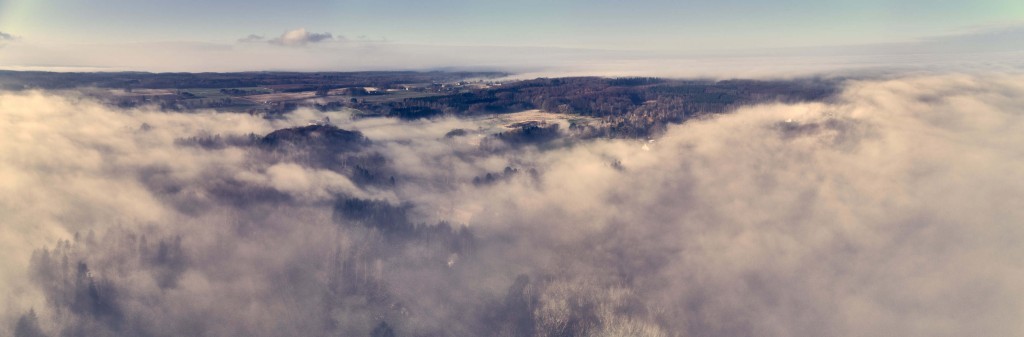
(892, 210)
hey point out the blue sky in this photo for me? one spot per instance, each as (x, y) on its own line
(681, 27)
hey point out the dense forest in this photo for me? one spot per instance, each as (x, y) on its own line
(633, 107)
(630, 107)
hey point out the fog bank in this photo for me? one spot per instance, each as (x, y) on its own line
(891, 211)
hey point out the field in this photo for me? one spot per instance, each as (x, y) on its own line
(336, 95)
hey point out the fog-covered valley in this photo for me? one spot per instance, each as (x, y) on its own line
(890, 208)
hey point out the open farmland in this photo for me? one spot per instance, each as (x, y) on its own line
(280, 97)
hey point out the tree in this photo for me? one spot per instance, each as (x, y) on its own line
(383, 330)
(28, 326)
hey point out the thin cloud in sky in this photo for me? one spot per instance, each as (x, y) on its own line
(300, 37)
(252, 38)
(988, 47)
(6, 37)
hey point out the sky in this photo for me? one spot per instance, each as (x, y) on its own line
(42, 33)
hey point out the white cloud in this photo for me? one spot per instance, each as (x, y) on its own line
(300, 37)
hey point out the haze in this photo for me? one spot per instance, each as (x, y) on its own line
(652, 38)
(480, 168)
